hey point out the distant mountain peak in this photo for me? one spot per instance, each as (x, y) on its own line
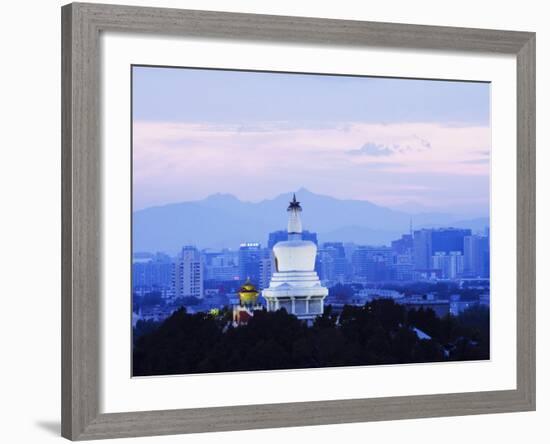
(221, 196)
(303, 190)
(220, 199)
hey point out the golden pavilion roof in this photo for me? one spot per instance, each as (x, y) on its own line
(248, 294)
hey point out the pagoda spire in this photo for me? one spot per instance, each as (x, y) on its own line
(294, 204)
(294, 226)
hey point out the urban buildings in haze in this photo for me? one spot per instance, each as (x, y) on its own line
(211, 278)
(427, 254)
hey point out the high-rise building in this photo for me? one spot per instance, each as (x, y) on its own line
(428, 241)
(403, 258)
(476, 256)
(403, 245)
(250, 254)
(324, 265)
(402, 267)
(266, 268)
(372, 264)
(336, 247)
(451, 264)
(331, 262)
(449, 239)
(422, 249)
(189, 274)
(221, 265)
(349, 248)
(152, 272)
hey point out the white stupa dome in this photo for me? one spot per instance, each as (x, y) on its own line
(295, 255)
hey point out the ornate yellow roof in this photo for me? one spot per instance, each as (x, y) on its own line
(248, 294)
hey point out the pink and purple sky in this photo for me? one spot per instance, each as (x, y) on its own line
(401, 143)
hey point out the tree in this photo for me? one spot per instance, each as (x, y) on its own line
(380, 332)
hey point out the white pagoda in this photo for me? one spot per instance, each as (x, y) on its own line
(295, 285)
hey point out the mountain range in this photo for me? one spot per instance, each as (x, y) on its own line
(224, 221)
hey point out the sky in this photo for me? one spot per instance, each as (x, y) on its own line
(416, 145)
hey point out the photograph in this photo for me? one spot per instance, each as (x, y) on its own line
(287, 220)
(274, 222)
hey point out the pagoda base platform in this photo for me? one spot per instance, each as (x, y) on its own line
(299, 292)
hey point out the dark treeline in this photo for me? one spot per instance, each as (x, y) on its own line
(381, 332)
(155, 299)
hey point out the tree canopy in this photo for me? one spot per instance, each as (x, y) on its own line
(380, 332)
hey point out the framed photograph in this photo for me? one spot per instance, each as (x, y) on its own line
(278, 221)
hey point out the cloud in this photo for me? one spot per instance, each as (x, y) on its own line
(415, 144)
(176, 161)
(423, 142)
(372, 149)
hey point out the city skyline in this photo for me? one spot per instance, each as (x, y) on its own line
(203, 279)
(423, 249)
(394, 142)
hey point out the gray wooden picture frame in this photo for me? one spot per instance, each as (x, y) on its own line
(81, 232)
